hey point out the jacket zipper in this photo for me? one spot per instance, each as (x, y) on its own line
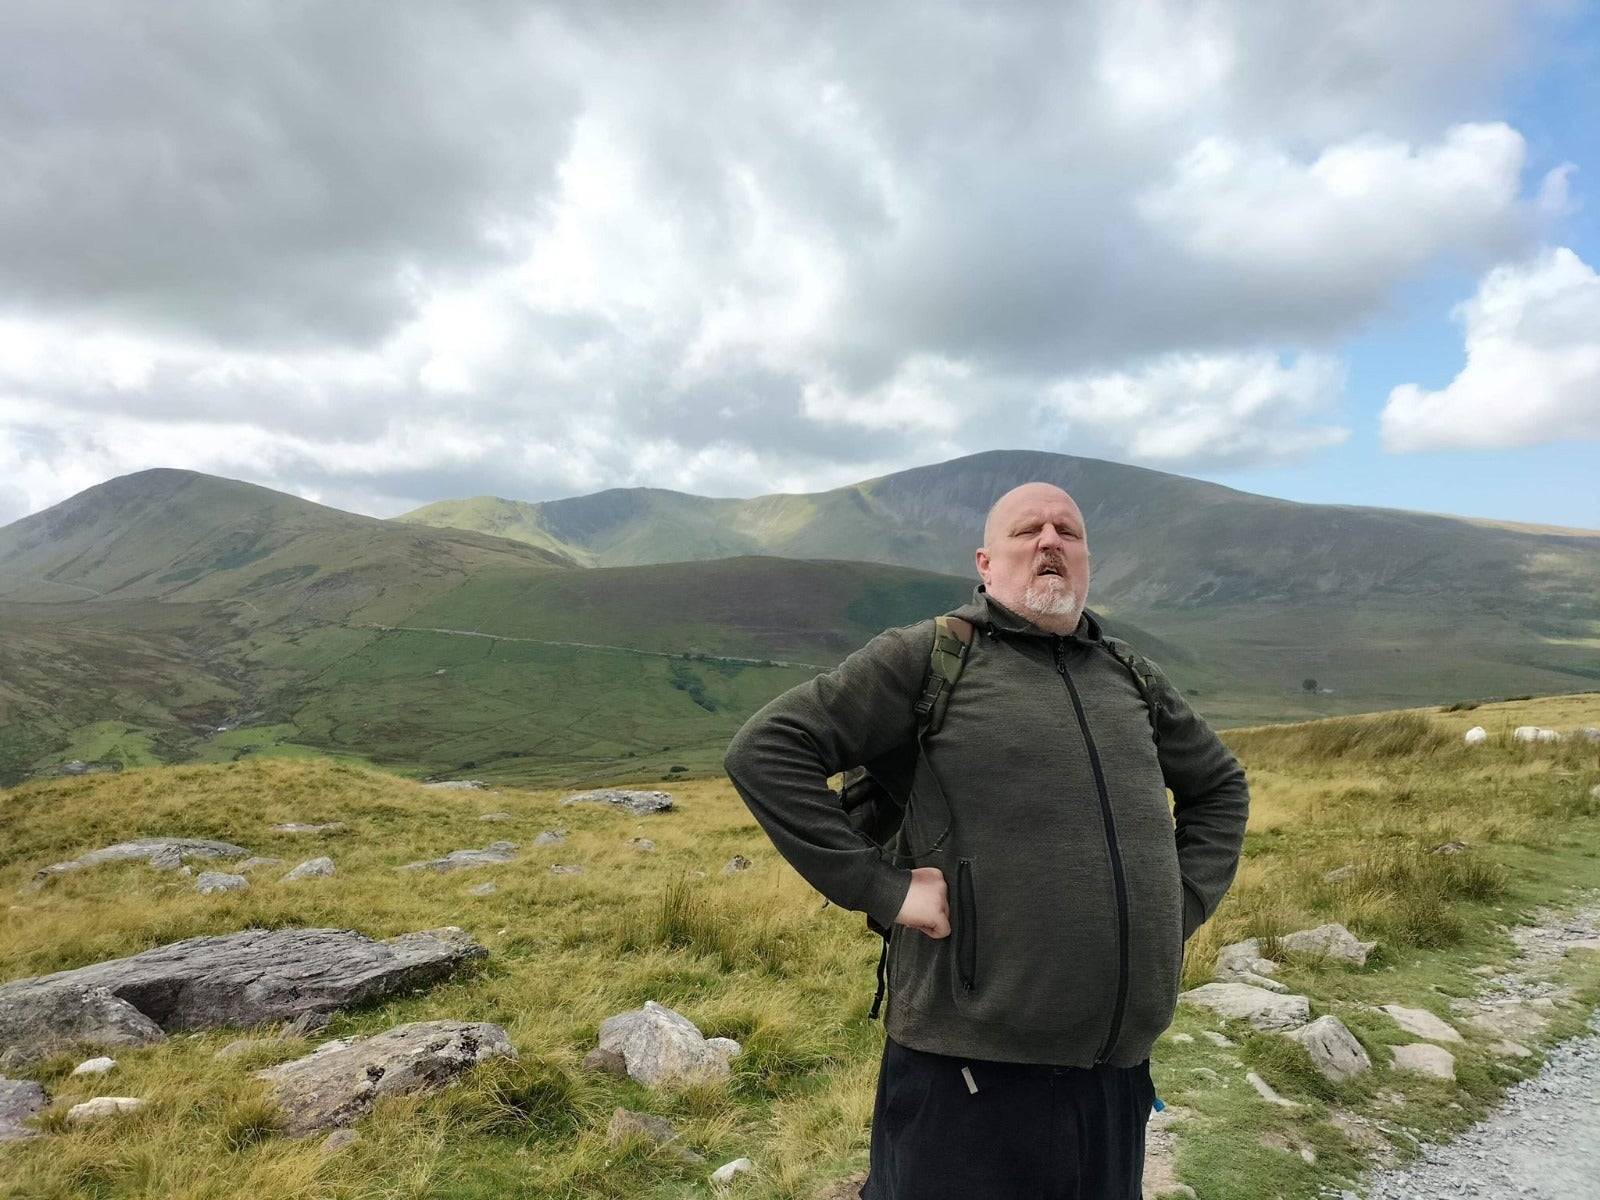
(1119, 879)
(967, 931)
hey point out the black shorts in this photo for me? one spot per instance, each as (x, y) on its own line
(973, 1130)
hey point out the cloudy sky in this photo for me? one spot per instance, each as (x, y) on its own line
(380, 254)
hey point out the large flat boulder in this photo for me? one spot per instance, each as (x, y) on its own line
(1266, 1011)
(247, 978)
(37, 1021)
(640, 803)
(339, 1082)
(164, 852)
(491, 855)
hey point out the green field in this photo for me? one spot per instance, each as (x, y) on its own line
(755, 956)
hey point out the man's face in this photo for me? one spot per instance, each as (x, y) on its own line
(1035, 557)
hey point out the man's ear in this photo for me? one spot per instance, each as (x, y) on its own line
(982, 557)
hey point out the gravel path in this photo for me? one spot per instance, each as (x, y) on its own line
(1544, 1142)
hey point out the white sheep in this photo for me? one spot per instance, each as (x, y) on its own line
(1477, 736)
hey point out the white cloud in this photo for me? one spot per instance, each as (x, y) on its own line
(1214, 410)
(1357, 217)
(540, 250)
(1532, 374)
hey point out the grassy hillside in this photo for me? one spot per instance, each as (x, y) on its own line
(756, 957)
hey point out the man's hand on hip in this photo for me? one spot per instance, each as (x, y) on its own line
(927, 905)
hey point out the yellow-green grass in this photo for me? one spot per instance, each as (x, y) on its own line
(755, 956)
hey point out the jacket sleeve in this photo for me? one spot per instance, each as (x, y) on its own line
(1211, 803)
(780, 762)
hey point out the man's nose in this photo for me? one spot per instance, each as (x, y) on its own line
(1049, 537)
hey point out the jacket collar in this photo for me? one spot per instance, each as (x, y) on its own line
(988, 613)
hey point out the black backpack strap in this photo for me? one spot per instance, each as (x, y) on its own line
(952, 639)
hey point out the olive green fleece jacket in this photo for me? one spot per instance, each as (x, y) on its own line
(1073, 883)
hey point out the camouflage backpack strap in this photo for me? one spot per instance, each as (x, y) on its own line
(1145, 677)
(952, 638)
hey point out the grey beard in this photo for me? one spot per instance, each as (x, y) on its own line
(1046, 600)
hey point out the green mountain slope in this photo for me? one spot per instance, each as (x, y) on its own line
(1161, 542)
(174, 617)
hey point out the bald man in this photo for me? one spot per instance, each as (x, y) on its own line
(1041, 887)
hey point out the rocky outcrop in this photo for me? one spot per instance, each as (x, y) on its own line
(551, 837)
(303, 827)
(341, 1080)
(1266, 1011)
(246, 978)
(19, 1100)
(163, 852)
(662, 1048)
(639, 803)
(491, 855)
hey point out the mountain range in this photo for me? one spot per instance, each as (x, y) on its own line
(172, 616)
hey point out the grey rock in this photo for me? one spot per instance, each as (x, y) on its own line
(169, 850)
(491, 855)
(1333, 1048)
(1340, 874)
(551, 837)
(338, 1140)
(312, 868)
(727, 1047)
(102, 1107)
(1261, 981)
(302, 827)
(339, 1082)
(169, 858)
(1216, 1039)
(1264, 1010)
(484, 889)
(1422, 1023)
(255, 863)
(1506, 1048)
(1453, 847)
(643, 843)
(457, 785)
(94, 1066)
(1423, 1058)
(1181, 1039)
(627, 1124)
(728, 1172)
(1242, 958)
(605, 1062)
(211, 883)
(736, 864)
(566, 869)
(19, 1100)
(496, 816)
(1264, 1090)
(243, 1046)
(41, 1016)
(1333, 943)
(246, 978)
(640, 803)
(661, 1048)
(1588, 734)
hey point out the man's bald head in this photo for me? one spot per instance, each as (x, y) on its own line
(1035, 556)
